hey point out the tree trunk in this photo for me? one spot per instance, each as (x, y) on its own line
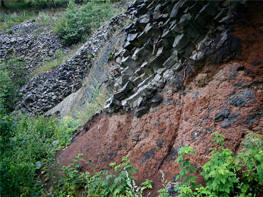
(3, 3)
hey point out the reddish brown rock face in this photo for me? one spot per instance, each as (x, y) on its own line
(227, 98)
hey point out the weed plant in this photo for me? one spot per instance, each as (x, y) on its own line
(73, 182)
(225, 174)
(12, 77)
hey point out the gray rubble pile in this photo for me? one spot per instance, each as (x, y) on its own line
(48, 89)
(30, 41)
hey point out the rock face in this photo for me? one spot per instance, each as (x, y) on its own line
(159, 43)
(177, 92)
(48, 89)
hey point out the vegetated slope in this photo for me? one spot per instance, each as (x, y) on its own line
(212, 94)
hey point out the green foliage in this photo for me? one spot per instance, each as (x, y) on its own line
(10, 31)
(73, 182)
(219, 172)
(12, 77)
(250, 162)
(226, 175)
(186, 170)
(24, 141)
(78, 22)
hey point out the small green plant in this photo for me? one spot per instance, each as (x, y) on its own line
(110, 57)
(163, 191)
(10, 31)
(226, 175)
(89, 57)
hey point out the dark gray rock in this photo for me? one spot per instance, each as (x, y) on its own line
(223, 114)
(241, 99)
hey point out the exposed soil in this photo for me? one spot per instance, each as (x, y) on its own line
(227, 98)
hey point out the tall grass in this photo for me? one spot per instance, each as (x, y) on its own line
(10, 19)
(60, 58)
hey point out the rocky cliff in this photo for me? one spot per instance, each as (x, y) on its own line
(187, 69)
(178, 72)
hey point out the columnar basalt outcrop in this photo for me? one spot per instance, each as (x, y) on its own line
(215, 85)
(159, 42)
(48, 89)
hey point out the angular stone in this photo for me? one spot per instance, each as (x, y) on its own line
(145, 80)
(175, 11)
(152, 31)
(180, 42)
(146, 69)
(128, 46)
(187, 52)
(143, 37)
(123, 80)
(143, 53)
(158, 81)
(184, 20)
(160, 57)
(139, 71)
(140, 111)
(133, 101)
(160, 71)
(131, 37)
(167, 43)
(168, 73)
(143, 77)
(171, 60)
(113, 105)
(137, 81)
(144, 19)
(147, 91)
(129, 62)
(127, 87)
(120, 95)
(221, 14)
(127, 71)
(157, 12)
(177, 67)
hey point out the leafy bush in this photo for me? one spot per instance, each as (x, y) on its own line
(102, 183)
(12, 77)
(78, 22)
(225, 175)
(24, 142)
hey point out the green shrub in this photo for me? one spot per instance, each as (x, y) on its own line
(25, 141)
(226, 175)
(12, 78)
(78, 22)
(72, 182)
